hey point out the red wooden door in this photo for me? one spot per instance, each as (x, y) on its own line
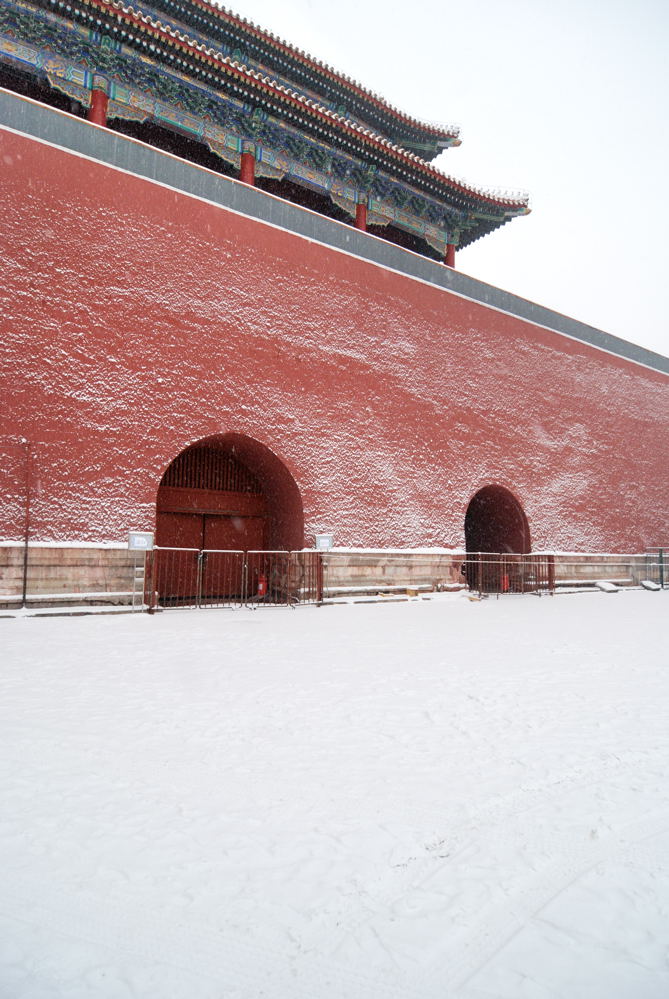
(225, 533)
(180, 530)
(212, 532)
(209, 508)
(176, 567)
(223, 574)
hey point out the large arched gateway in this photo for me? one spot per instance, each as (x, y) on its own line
(228, 523)
(229, 526)
(229, 492)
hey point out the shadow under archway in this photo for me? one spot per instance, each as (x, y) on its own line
(496, 522)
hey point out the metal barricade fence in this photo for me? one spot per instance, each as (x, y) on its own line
(658, 560)
(487, 572)
(190, 577)
(547, 573)
(224, 578)
(576, 571)
(171, 578)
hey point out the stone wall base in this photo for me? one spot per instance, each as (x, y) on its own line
(352, 573)
(61, 576)
(579, 570)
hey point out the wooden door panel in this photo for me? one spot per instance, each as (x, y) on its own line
(233, 533)
(224, 576)
(179, 530)
(184, 577)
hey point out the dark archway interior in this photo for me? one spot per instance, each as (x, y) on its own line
(304, 196)
(38, 88)
(173, 142)
(495, 522)
(284, 503)
(408, 240)
(229, 492)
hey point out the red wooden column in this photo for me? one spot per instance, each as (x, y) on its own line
(247, 167)
(449, 259)
(97, 112)
(361, 216)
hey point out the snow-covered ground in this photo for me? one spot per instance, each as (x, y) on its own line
(420, 800)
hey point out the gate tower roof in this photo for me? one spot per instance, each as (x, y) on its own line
(313, 126)
(336, 90)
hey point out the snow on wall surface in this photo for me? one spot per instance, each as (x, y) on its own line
(137, 320)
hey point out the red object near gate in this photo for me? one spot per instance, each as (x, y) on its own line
(262, 586)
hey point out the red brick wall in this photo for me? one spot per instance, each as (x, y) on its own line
(136, 320)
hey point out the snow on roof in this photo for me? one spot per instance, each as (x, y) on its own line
(433, 128)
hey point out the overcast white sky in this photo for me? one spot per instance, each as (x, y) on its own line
(567, 99)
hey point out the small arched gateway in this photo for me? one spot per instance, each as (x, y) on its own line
(496, 535)
(220, 499)
(496, 522)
